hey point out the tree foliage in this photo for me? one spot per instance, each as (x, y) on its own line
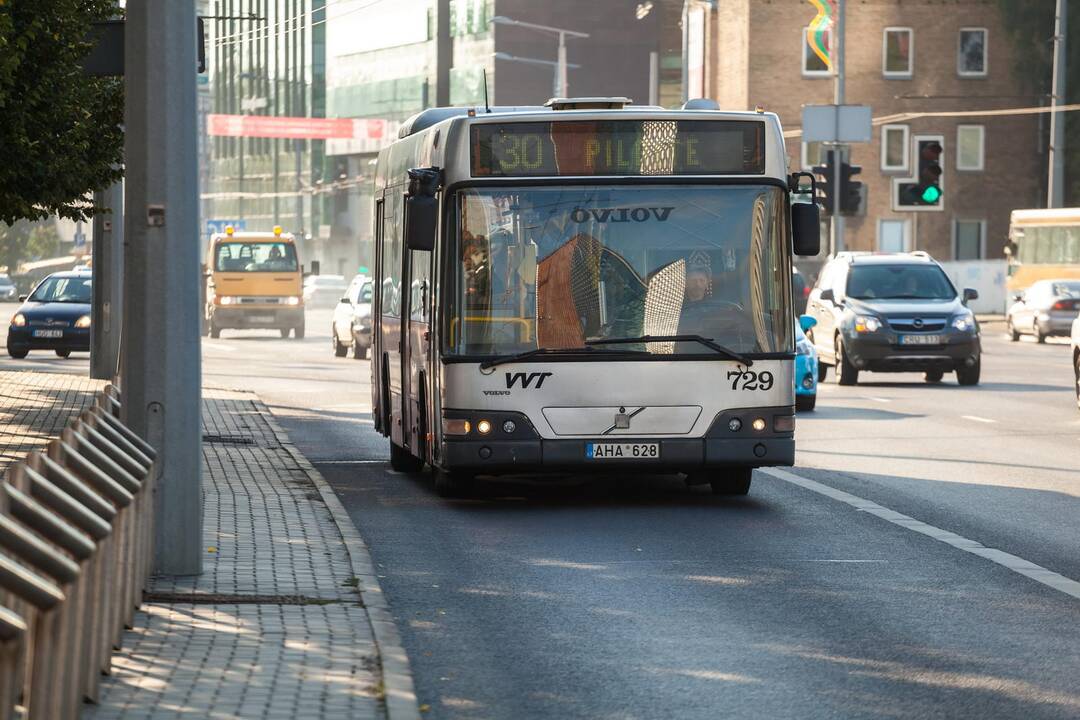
(1030, 25)
(60, 132)
(27, 241)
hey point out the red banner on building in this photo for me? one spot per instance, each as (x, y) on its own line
(297, 128)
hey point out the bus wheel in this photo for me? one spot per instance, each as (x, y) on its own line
(404, 461)
(735, 482)
(452, 485)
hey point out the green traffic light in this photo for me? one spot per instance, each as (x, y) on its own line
(931, 194)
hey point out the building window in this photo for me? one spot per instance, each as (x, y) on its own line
(897, 58)
(813, 153)
(971, 61)
(892, 236)
(894, 148)
(812, 65)
(969, 239)
(969, 147)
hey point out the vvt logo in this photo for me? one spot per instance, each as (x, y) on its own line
(526, 379)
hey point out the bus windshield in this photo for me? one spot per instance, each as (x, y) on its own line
(558, 267)
(255, 256)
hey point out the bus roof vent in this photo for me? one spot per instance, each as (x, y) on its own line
(701, 104)
(588, 103)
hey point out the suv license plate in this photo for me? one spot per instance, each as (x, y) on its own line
(619, 451)
(48, 333)
(922, 339)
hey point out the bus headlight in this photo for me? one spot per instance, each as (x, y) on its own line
(483, 427)
(456, 427)
(83, 322)
(19, 320)
(758, 424)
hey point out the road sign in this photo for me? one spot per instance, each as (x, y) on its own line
(836, 123)
(218, 226)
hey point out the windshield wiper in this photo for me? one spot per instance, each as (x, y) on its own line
(707, 342)
(537, 352)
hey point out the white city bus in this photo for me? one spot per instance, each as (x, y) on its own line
(587, 286)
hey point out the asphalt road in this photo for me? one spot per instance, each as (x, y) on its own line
(641, 598)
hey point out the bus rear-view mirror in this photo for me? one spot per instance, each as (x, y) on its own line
(806, 228)
(421, 217)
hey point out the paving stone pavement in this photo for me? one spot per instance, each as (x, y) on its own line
(35, 407)
(273, 628)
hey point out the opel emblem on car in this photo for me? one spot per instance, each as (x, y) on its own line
(918, 322)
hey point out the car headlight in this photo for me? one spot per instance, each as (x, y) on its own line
(867, 324)
(19, 320)
(964, 323)
(293, 300)
(83, 322)
(803, 347)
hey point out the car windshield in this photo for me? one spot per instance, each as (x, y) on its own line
(62, 290)
(559, 268)
(241, 256)
(899, 282)
(1060, 289)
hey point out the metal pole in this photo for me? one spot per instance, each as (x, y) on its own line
(1055, 192)
(108, 285)
(838, 61)
(444, 53)
(564, 87)
(654, 78)
(162, 372)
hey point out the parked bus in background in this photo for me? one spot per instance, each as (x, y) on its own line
(1043, 245)
(253, 280)
(587, 286)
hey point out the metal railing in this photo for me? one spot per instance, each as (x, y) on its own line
(75, 551)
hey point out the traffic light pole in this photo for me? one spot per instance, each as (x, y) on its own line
(1055, 196)
(837, 225)
(162, 375)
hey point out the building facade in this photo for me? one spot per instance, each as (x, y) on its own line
(902, 57)
(266, 58)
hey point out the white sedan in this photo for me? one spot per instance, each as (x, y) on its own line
(324, 291)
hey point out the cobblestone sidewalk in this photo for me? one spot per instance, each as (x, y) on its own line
(274, 627)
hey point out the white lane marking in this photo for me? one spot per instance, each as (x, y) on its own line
(879, 399)
(349, 462)
(1012, 562)
(976, 418)
(210, 345)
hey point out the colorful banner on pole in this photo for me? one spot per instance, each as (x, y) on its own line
(300, 128)
(818, 33)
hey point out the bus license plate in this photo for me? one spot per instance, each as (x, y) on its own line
(618, 451)
(48, 333)
(921, 339)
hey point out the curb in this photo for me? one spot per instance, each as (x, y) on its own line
(399, 691)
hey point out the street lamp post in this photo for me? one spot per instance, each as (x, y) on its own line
(562, 85)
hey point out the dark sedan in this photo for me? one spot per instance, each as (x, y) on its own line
(55, 316)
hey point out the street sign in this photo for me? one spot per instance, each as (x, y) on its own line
(218, 226)
(836, 123)
(252, 104)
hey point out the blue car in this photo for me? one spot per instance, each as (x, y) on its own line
(806, 366)
(55, 316)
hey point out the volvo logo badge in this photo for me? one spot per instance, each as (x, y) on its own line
(622, 420)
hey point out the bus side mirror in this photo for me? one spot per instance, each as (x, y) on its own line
(806, 228)
(421, 219)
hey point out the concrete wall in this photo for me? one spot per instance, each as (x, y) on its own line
(986, 276)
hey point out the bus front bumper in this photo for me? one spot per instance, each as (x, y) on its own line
(676, 455)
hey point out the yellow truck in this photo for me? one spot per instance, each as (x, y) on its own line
(253, 280)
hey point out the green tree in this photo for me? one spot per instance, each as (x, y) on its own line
(60, 132)
(1030, 24)
(26, 241)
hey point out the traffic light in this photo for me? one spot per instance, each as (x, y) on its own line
(825, 183)
(925, 190)
(850, 192)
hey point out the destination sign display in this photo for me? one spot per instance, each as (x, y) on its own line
(618, 147)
